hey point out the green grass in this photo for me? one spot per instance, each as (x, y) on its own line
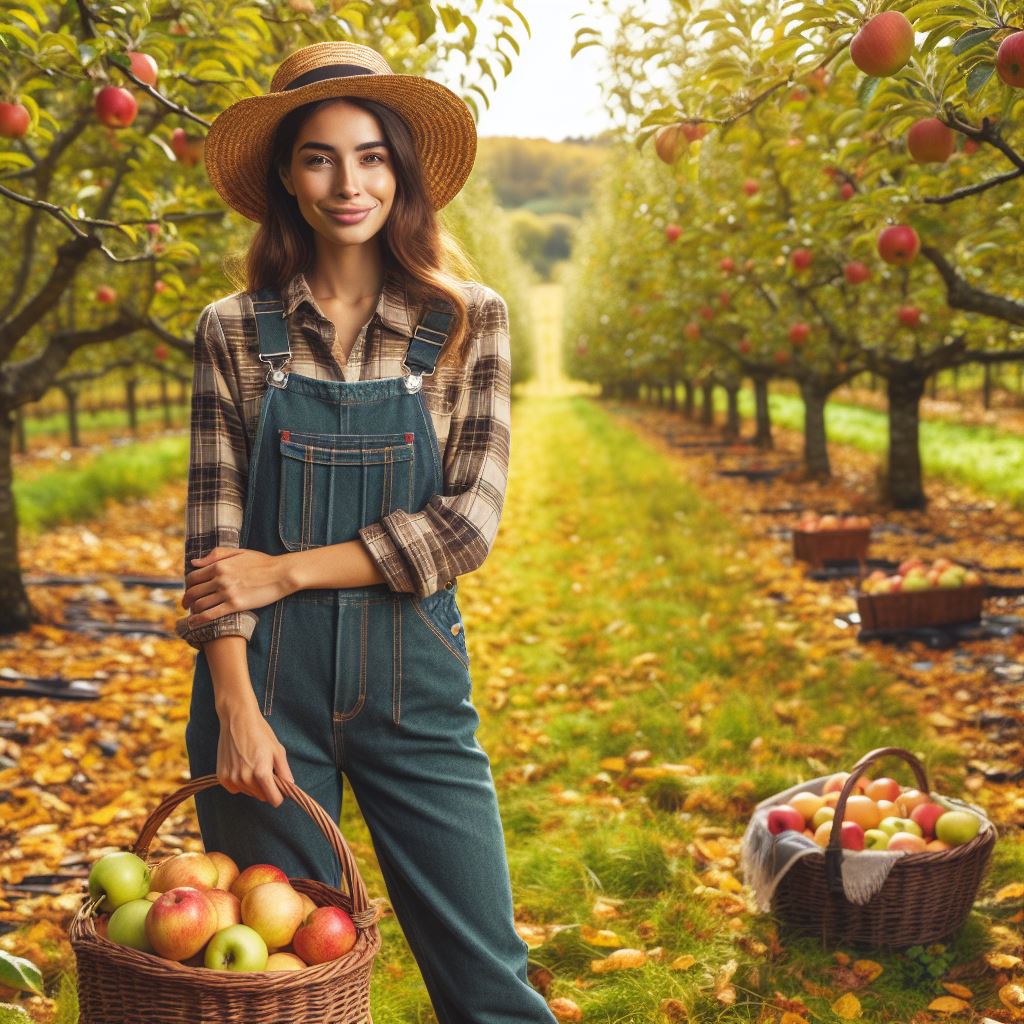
(986, 458)
(71, 495)
(55, 424)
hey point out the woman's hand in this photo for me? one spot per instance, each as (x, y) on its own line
(248, 755)
(233, 580)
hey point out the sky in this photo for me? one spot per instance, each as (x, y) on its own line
(548, 94)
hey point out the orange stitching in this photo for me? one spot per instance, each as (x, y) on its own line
(275, 645)
(344, 716)
(440, 636)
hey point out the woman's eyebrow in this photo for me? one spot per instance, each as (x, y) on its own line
(331, 149)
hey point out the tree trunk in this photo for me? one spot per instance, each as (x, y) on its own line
(904, 469)
(986, 387)
(707, 404)
(688, 398)
(21, 433)
(133, 412)
(673, 401)
(732, 418)
(933, 386)
(71, 396)
(165, 400)
(16, 613)
(182, 392)
(762, 414)
(815, 439)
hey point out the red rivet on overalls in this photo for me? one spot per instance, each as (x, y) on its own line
(285, 435)
(408, 438)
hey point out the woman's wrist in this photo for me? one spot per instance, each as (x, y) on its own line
(293, 575)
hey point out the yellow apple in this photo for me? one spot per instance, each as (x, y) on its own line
(863, 810)
(807, 803)
(284, 962)
(227, 869)
(275, 911)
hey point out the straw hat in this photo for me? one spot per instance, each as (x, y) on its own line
(238, 143)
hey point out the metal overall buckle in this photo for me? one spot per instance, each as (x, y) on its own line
(276, 377)
(414, 381)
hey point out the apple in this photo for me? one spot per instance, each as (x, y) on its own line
(892, 825)
(930, 141)
(888, 808)
(957, 827)
(14, 120)
(970, 146)
(275, 910)
(799, 333)
(256, 874)
(906, 841)
(284, 962)
(181, 922)
(670, 142)
(228, 906)
(856, 272)
(937, 844)
(105, 294)
(154, 229)
(308, 906)
(883, 45)
(847, 191)
(327, 934)
(909, 799)
(831, 522)
(748, 265)
(898, 245)
(189, 869)
(726, 264)
(236, 948)
(926, 815)
(905, 566)
(876, 839)
(883, 788)
(972, 578)
(942, 563)
(227, 869)
(708, 312)
(745, 346)
(751, 187)
(694, 132)
(672, 232)
(692, 330)
(118, 878)
(916, 580)
(115, 106)
(159, 286)
(784, 817)
(851, 836)
(127, 925)
(806, 803)
(909, 315)
(144, 67)
(831, 798)
(821, 815)
(863, 810)
(1010, 60)
(952, 577)
(780, 357)
(801, 259)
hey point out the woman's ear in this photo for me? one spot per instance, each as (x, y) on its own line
(285, 175)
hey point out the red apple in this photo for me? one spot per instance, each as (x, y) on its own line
(745, 346)
(851, 836)
(801, 259)
(153, 228)
(909, 315)
(748, 266)
(856, 272)
(898, 245)
(799, 333)
(185, 869)
(727, 264)
(692, 330)
(694, 132)
(751, 187)
(105, 293)
(115, 106)
(327, 934)
(256, 874)
(970, 146)
(883, 44)
(672, 231)
(14, 120)
(926, 815)
(707, 312)
(669, 142)
(883, 788)
(1010, 60)
(930, 141)
(144, 68)
(159, 286)
(847, 191)
(784, 817)
(228, 907)
(180, 923)
(911, 798)
(906, 841)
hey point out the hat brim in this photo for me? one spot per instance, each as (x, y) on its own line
(237, 145)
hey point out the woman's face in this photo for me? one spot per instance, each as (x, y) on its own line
(340, 161)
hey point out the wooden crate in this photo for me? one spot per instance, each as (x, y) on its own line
(843, 545)
(937, 606)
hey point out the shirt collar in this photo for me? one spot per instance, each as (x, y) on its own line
(394, 307)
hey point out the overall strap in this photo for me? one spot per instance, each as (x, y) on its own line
(429, 336)
(272, 329)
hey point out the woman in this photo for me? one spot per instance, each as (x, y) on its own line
(350, 443)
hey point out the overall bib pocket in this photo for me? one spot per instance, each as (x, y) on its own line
(333, 484)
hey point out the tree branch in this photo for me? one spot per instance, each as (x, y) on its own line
(961, 295)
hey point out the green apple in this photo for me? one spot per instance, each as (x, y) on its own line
(127, 925)
(916, 580)
(876, 839)
(957, 827)
(891, 825)
(118, 878)
(822, 814)
(236, 948)
(952, 577)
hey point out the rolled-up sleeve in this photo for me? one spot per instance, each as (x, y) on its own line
(217, 470)
(454, 532)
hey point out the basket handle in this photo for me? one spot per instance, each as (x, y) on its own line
(834, 850)
(364, 913)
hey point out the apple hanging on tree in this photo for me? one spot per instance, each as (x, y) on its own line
(672, 231)
(799, 333)
(801, 259)
(1010, 60)
(727, 264)
(898, 245)
(931, 141)
(883, 45)
(847, 191)
(909, 316)
(856, 272)
(14, 120)
(670, 143)
(692, 330)
(115, 106)
(105, 294)
(751, 187)
(144, 67)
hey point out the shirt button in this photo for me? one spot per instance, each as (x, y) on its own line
(455, 629)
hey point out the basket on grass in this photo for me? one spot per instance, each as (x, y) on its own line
(936, 606)
(925, 897)
(847, 544)
(120, 985)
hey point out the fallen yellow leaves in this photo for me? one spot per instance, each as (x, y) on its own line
(620, 960)
(683, 963)
(948, 1004)
(599, 936)
(1012, 997)
(957, 990)
(1003, 961)
(565, 1009)
(867, 969)
(847, 1006)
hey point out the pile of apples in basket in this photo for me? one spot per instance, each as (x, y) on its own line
(200, 910)
(881, 815)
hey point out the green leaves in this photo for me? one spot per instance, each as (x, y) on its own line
(973, 38)
(18, 973)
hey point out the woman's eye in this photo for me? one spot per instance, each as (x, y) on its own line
(374, 156)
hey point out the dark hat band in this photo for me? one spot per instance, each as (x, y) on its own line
(328, 71)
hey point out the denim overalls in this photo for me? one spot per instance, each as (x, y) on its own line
(371, 682)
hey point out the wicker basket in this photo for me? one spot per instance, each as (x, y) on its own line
(819, 546)
(926, 896)
(119, 985)
(937, 606)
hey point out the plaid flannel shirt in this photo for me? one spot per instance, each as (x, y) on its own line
(470, 408)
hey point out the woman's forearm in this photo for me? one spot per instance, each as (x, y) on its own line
(229, 668)
(333, 566)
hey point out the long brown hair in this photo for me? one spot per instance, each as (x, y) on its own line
(417, 249)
